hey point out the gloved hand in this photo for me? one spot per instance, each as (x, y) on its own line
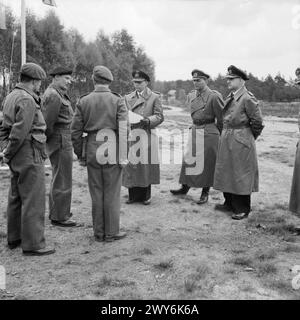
(145, 123)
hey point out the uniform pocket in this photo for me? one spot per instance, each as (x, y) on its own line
(38, 143)
(243, 138)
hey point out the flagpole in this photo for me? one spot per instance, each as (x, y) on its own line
(23, 31)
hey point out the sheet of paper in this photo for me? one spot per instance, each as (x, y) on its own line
(134, 117)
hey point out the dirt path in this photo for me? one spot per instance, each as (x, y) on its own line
(175, 249)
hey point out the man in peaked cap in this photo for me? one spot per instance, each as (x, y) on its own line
(58, 113)
(25, 154)
(206, 111)
(146, 103)
(100, 114)
(236, 172)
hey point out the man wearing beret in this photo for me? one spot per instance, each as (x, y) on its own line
(58, 113)
(206, 111)
(138, 177)
(102, 114)
(25, 155)
(236, 171)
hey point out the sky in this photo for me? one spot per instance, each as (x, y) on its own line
(259, 36)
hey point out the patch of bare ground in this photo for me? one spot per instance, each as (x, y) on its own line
(175, 249)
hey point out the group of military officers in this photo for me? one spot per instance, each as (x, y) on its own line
(34, 129)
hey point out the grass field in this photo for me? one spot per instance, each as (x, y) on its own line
(276, 109)
(175, 249)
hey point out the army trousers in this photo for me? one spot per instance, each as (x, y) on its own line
(105, 190)
(26, 199)
(60, 152)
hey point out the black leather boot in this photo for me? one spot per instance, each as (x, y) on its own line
(204, 196)
(183, 190)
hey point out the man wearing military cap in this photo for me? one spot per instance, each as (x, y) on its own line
(58, 113)
(236, 171)
(146, 103)
(100, 114)
(25, 154)
(206, 111)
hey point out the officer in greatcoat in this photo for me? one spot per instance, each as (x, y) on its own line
(25, 153)
(294, 203)
(58, 113)
(103, 116)
(138, 177)
(206, 111)
(236, 173)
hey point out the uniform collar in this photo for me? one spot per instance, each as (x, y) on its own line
(145, 94)
(101, 88)
(62, 92)
(22, 86)
(204, 93)
(238, 93)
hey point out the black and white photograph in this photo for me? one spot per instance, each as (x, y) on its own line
(149, 151)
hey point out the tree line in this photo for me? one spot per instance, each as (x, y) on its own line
(49, 44)
(270, 89)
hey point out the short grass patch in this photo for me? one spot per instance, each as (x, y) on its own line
(164, 264)
(243, 261)
(266, 269)
(266, 255)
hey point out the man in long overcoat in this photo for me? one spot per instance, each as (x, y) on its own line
(138, 177)
(294, 204)
(102, 114)
(236, 172)
(206, 111)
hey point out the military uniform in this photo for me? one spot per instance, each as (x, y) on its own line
(236, 172)
(58, 114)
(139, 177)
(294, 203)
(101, 110)
(25, 154)
(206, 112)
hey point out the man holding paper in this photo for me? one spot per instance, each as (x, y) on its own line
(145, 114)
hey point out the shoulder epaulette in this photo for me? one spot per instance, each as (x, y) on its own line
(117, 94)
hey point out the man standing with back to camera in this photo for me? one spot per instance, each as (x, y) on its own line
(102, 111)
(25, 154)
(58, 113)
